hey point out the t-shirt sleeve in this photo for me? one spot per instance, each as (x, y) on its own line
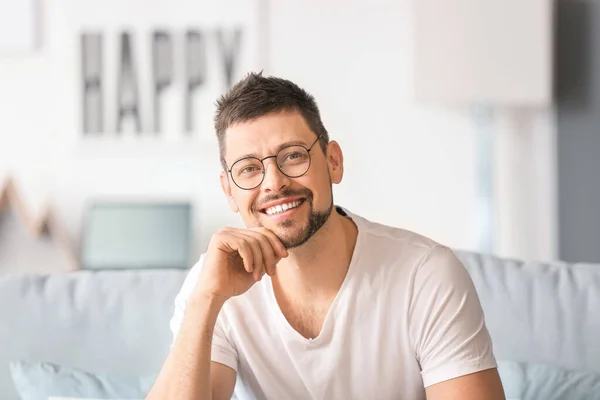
(223, 351)
(446, 321)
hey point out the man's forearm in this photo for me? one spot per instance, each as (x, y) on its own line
(186, 372)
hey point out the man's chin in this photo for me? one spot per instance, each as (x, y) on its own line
(290, 242)
(286, 229)
(289, 233)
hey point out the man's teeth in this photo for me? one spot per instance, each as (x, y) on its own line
(282, 207)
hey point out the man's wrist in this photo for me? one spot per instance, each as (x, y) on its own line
(205, 300)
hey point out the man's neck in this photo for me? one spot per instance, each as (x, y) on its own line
(315, 271)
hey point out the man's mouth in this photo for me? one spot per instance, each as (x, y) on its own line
(280, 208)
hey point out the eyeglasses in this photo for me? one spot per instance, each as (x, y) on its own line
(293, 161)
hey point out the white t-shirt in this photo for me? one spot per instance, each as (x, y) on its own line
(406, 317)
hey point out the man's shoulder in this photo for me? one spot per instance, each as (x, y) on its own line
(396, 238)
(392, 250)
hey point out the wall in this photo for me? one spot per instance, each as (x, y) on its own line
(43, 254)
(578, 89)
(406, 165)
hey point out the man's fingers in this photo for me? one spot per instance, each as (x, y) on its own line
(257, 253)
(278, 247)
(259, 248)
(245, 251)
(268, 253)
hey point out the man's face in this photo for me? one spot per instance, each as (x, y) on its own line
(293, 208)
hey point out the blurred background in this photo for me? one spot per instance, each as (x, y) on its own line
(473, 122)
(111, 103)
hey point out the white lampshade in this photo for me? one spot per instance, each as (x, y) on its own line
(495, 52)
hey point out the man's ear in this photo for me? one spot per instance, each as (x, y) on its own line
(335, 161)
(226, 186)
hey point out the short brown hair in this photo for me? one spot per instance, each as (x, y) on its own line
(255, 96)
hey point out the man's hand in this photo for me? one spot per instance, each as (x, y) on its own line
(238, 258)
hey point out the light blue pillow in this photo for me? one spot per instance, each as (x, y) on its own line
(39, 380)
(528, 381)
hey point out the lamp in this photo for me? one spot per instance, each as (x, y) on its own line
(483, 54)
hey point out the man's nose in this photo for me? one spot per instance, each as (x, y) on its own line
(274, 180)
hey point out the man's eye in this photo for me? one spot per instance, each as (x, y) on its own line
(293, 156)
(249, 169)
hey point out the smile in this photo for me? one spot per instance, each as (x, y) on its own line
(282, 207)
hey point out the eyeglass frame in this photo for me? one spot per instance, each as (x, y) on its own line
(264, 168)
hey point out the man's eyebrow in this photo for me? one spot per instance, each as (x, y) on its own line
(281, 146)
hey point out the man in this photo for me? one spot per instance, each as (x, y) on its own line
(311, 301)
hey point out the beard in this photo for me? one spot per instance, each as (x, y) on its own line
(316, 219)
(290, 237)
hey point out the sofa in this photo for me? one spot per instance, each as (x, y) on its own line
(118, 321)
